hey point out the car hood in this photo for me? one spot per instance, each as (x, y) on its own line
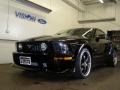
(55, 38)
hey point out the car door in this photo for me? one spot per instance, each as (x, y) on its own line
(98, 44)
(100, 41)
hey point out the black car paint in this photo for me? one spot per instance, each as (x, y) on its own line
(98, 48)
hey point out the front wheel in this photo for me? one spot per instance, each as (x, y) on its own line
(83, 64)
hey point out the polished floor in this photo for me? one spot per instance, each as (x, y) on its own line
(102, 78)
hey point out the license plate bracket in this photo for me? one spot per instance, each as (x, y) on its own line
(25, 60)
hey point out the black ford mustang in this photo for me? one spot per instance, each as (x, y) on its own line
(77, 50)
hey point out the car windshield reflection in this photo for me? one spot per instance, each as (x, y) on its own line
(73, 32)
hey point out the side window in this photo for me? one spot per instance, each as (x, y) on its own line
(100, 33)
(89, 34)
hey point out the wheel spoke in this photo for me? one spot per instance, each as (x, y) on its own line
(114, 58)
(87, 60)
(82, 65)
(84, 56)
(83, 70)
(88, 65)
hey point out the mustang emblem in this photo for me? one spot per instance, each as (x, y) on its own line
(43, 46)
(29, 46)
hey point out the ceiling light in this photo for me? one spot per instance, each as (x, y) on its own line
(101, 1)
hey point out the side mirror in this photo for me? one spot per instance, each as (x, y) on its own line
(97, 38)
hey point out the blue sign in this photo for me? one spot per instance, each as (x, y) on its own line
(29, 17)
(42, 21)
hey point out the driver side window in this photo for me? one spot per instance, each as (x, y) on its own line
(100, 33)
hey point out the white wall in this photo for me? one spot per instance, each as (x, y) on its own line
(16, 28)
(101, 11)
(62, 17)
(6, 50)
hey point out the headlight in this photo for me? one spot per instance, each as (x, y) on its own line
(64, 48)
(19, 46)
(60, 48)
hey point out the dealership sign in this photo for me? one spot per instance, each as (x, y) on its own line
(29, 17)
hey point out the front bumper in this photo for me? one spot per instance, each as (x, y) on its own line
(45, 62)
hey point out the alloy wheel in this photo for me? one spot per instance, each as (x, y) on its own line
(85, 62)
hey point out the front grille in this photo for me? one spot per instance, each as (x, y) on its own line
(35, 47)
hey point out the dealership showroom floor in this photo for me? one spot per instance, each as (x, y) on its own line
(60, 36)
(101, 78)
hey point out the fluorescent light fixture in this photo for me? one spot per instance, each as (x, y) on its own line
(101, 1)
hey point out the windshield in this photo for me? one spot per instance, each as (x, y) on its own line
(74, 32)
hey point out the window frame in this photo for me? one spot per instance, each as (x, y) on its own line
(91, 30)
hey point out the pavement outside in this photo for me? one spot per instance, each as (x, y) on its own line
(102, 78)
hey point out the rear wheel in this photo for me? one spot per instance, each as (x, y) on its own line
(83, 64)
(114, 58)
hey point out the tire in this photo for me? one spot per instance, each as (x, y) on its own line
(83, 64)
(113, 59)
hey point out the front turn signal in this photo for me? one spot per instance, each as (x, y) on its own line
(63, 58)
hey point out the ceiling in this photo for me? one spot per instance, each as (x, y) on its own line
(89, 2)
